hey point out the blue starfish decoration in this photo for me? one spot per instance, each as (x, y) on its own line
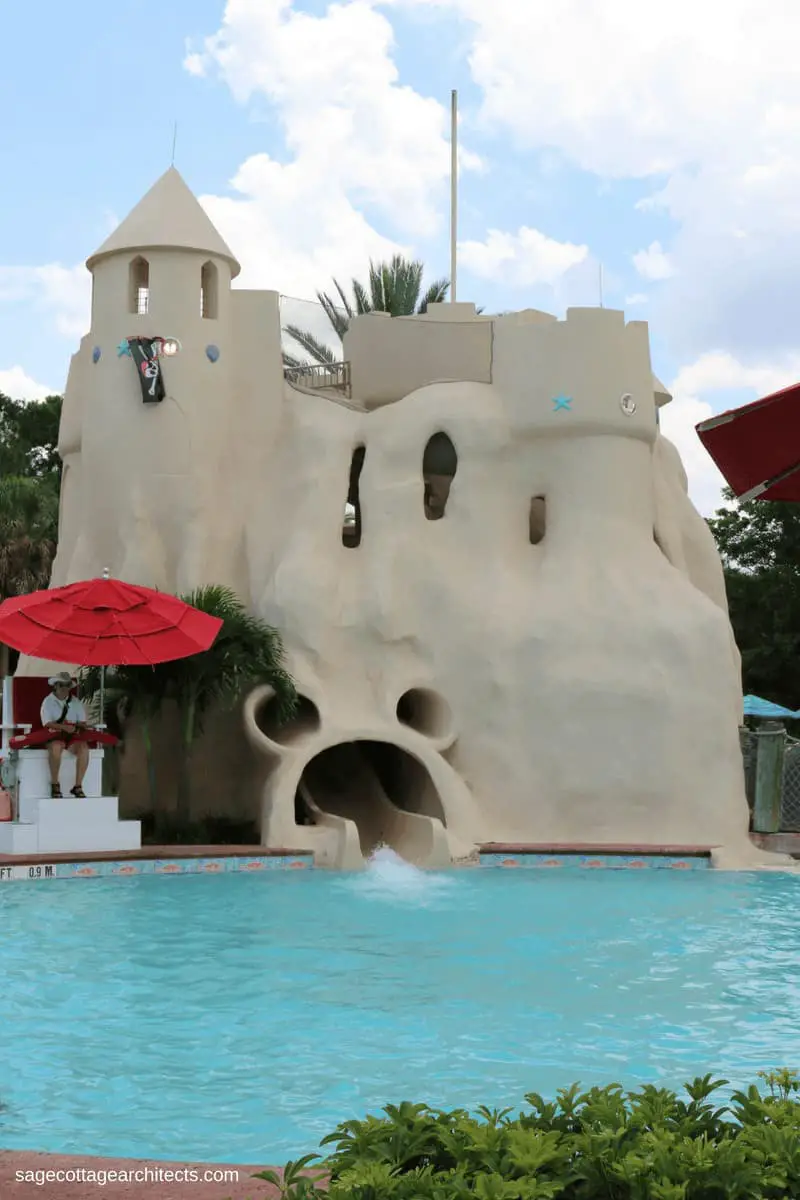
(562, 403)
(123, 348)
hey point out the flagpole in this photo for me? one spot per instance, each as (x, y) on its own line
(453, 192)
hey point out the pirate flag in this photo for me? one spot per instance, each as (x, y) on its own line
(145, 353)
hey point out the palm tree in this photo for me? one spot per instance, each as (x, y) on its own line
(247, 651)
(131, 692)
(393, 287)
(28, 536)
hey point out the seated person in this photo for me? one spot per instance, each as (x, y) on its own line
(64, 716)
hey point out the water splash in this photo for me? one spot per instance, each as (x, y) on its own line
(387, 876)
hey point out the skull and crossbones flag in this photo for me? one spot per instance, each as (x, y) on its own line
(145, 354)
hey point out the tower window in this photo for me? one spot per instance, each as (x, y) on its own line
(139, 287)
(208, 291)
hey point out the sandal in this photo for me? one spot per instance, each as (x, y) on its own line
(78, 793)
(55, 791)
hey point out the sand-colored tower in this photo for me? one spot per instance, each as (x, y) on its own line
(165, 272)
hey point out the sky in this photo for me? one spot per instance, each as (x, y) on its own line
(657, 141)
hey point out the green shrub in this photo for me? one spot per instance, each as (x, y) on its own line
(602, 1144)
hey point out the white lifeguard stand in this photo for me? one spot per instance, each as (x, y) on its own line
(41, 824)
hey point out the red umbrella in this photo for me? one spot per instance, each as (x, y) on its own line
(757, 447)
(105, 622)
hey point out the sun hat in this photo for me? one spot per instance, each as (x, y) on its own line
(62, 677)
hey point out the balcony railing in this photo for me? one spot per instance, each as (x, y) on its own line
(321, 377)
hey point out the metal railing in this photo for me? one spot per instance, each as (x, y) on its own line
(322, 377)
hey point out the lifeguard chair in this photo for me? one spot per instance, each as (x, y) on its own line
(41, 824)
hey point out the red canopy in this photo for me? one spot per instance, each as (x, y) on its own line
(757, 447)
(104, 623)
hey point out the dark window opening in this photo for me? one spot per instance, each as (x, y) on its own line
(537, 520)
(139, 287)
(351, 528)
(439, 465)
(208, 291)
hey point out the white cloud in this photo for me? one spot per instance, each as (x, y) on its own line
(63, 293)
(358, 141)
(629, 90)
(691, 390)
(705, 105)
(635, 299)
(653, 263)
(521, 259)
(290, 236)
(16, 383)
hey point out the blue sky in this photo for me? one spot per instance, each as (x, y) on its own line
(316, 136)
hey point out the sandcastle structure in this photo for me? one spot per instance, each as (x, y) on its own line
(504, 616)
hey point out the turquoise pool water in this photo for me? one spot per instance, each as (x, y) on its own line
(240, 1017)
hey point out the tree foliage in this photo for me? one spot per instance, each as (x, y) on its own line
(246, 652)
(29, 438)
(30, 479)
(760, 547)
(393, 287)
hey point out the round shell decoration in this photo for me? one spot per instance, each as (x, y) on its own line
(96, 354)
(628, 404)
(212, 353)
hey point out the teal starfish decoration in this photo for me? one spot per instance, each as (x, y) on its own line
(123, 348)
(562, 403)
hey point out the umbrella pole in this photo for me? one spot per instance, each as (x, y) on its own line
(102, 697)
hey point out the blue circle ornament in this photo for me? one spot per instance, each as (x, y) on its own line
(212, 353)
(96, 354)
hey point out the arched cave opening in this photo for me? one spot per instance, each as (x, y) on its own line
(439, 465)
(351, 527)
(375, 785)
(304, 720)
(426, 712)
(537, 520)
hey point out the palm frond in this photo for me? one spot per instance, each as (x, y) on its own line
(339, 318)
(363, 301)
(436, 293)
(314, 348)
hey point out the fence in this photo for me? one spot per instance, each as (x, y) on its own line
(771, 761)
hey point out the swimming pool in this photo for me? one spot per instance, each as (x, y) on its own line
(239, 1018)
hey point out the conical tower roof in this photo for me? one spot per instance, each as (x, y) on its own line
(169, 216)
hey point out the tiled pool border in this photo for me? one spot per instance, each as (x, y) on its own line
(130, 867)
(569, 860)
(184, 860)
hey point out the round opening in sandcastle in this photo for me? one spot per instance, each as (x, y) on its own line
(304, 721)
(426, 712)
(377, 785)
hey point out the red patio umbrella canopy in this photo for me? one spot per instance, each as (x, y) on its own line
(105, 623)
(757, 446)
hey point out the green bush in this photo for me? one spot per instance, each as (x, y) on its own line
(603, 1144)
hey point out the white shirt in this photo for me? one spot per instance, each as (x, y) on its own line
(52, 709)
